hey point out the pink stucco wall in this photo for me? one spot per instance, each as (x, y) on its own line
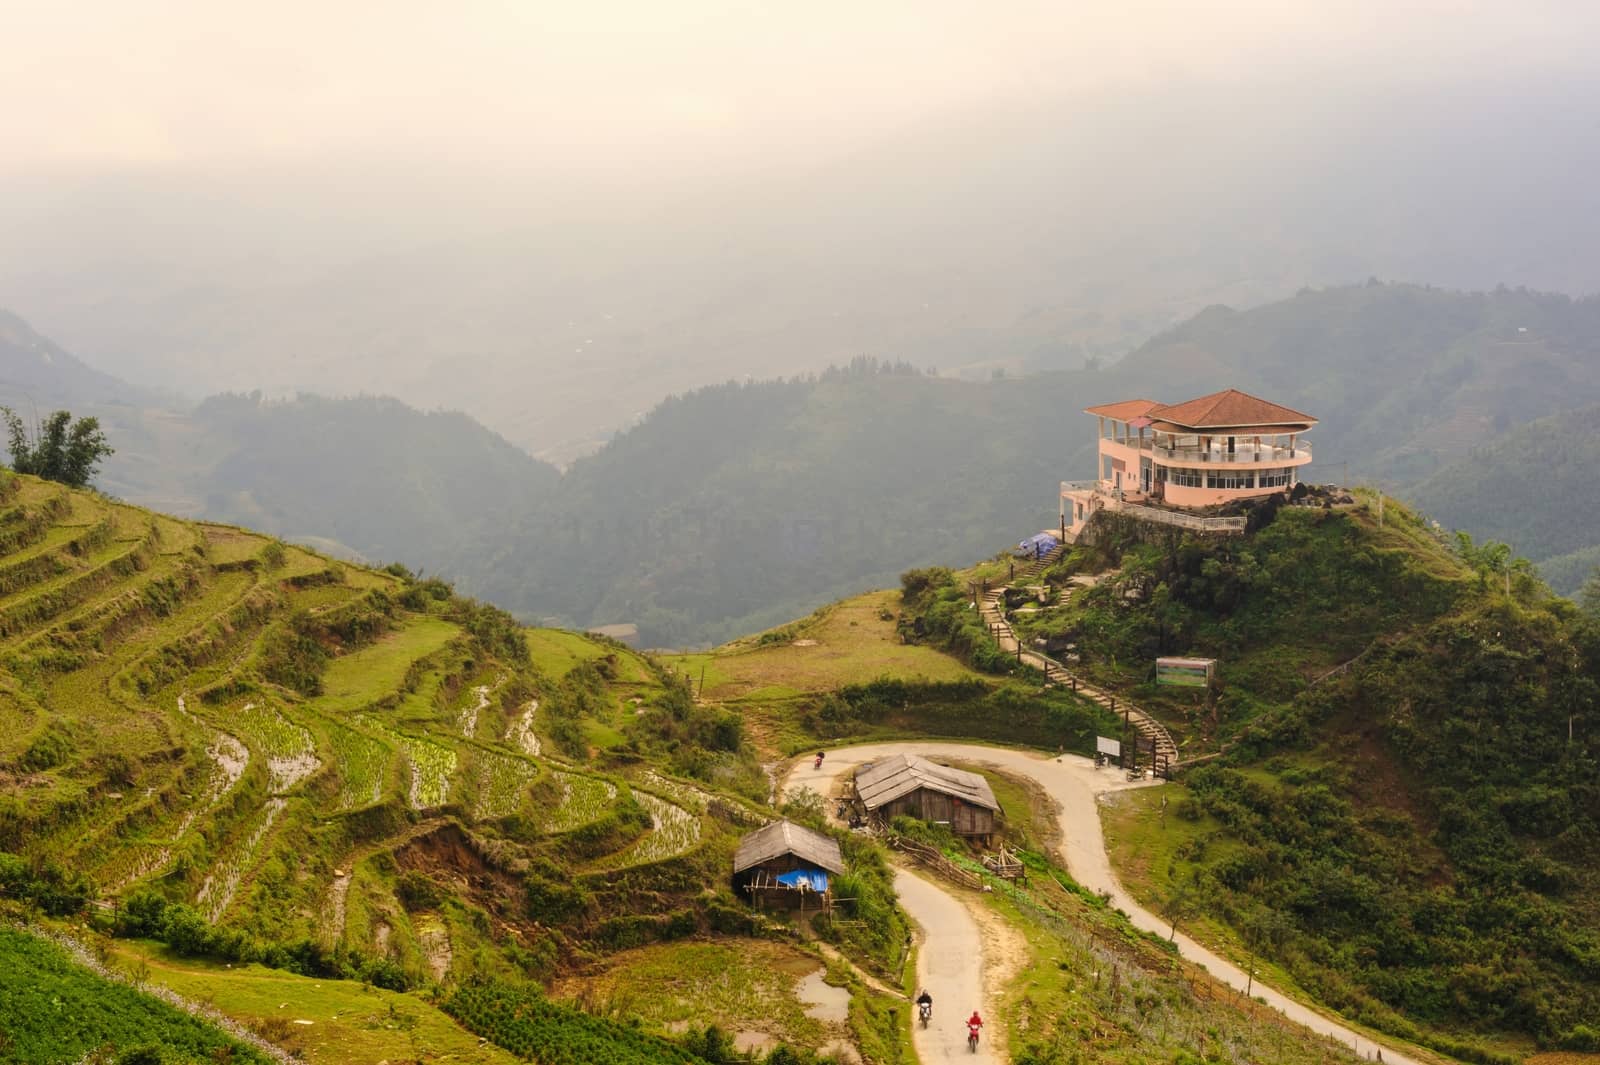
(1182, 495)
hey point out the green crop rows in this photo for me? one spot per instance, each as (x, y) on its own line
(290, 750)
(501, 781)
(363, 766)
(676, 832)
(531, 1026)
(430, 764)
(583, 799)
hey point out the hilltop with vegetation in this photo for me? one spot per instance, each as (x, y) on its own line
(256, 801)
(1395, 795)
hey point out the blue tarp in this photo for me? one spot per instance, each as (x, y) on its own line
(810, 879)
(1037, 546)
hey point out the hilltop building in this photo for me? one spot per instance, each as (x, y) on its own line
(1168, 462)
(786, 866)
(916, 787)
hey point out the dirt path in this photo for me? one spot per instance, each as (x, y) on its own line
(1076, 786)
(950, 964)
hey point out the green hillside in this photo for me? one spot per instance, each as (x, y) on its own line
(1531, 487)
(258, 755)
(1405, 819)
(358, 818)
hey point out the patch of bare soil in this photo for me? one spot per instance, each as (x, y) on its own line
(750, 1040)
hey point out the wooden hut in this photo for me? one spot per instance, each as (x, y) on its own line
(786, 866)
(916, 787)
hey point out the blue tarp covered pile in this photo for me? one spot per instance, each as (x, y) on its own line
(806, 879)
(1037, 546)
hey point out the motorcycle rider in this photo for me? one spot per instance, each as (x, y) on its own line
(974, 1023)
(925, 1003)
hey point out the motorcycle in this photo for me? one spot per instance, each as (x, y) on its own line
(819, 762)
(972, 1038)
(924, 1011)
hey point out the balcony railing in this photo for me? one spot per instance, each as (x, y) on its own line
(1196, 455)
(1186, 521)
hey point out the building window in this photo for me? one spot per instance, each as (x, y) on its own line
(1230, 479)
(1276, 478)
(1186, 478)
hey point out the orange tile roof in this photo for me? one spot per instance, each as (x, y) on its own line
(1127, 410)
(1252, 430)
(1230, 408)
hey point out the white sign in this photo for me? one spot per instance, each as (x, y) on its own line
(1109, 747)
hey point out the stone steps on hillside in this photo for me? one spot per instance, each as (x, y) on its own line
(1148, 728)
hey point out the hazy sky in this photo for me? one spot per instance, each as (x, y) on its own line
(551, 215)
(100, 85)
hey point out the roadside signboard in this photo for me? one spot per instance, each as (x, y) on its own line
(1186, 672)
(1109, 747)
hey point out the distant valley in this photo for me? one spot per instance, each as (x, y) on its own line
(736, 507)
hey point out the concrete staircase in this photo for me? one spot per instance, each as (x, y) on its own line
(992, 606)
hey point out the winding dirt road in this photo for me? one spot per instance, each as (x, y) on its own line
(950, 964)
(1075, 785)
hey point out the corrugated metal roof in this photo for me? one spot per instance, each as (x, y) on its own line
(786, 837)
(885, 781)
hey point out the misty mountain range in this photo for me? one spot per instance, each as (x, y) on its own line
(1026, 238)
(741, 505)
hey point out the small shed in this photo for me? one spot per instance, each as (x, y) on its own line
(916, 787)
(787, 866)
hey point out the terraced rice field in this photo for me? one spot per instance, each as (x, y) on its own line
(429, 766)
(364, 764)
(583, 799)
(501, 782)
(245, 725)
(290, 749)
(685, 795)
(521, 735)
(359, 678)
(220, 885)
(468, 718)
(676, 831)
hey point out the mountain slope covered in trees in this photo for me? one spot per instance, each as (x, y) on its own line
(737, 506)
(732, 507)
(1405, 815)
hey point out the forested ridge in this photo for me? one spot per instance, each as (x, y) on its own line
(737, 506)
(1405, 817)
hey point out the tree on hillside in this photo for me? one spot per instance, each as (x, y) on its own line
(63, 449)
(1589, 597)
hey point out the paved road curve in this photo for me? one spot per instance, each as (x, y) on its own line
(1075, 784)
(950, 965)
